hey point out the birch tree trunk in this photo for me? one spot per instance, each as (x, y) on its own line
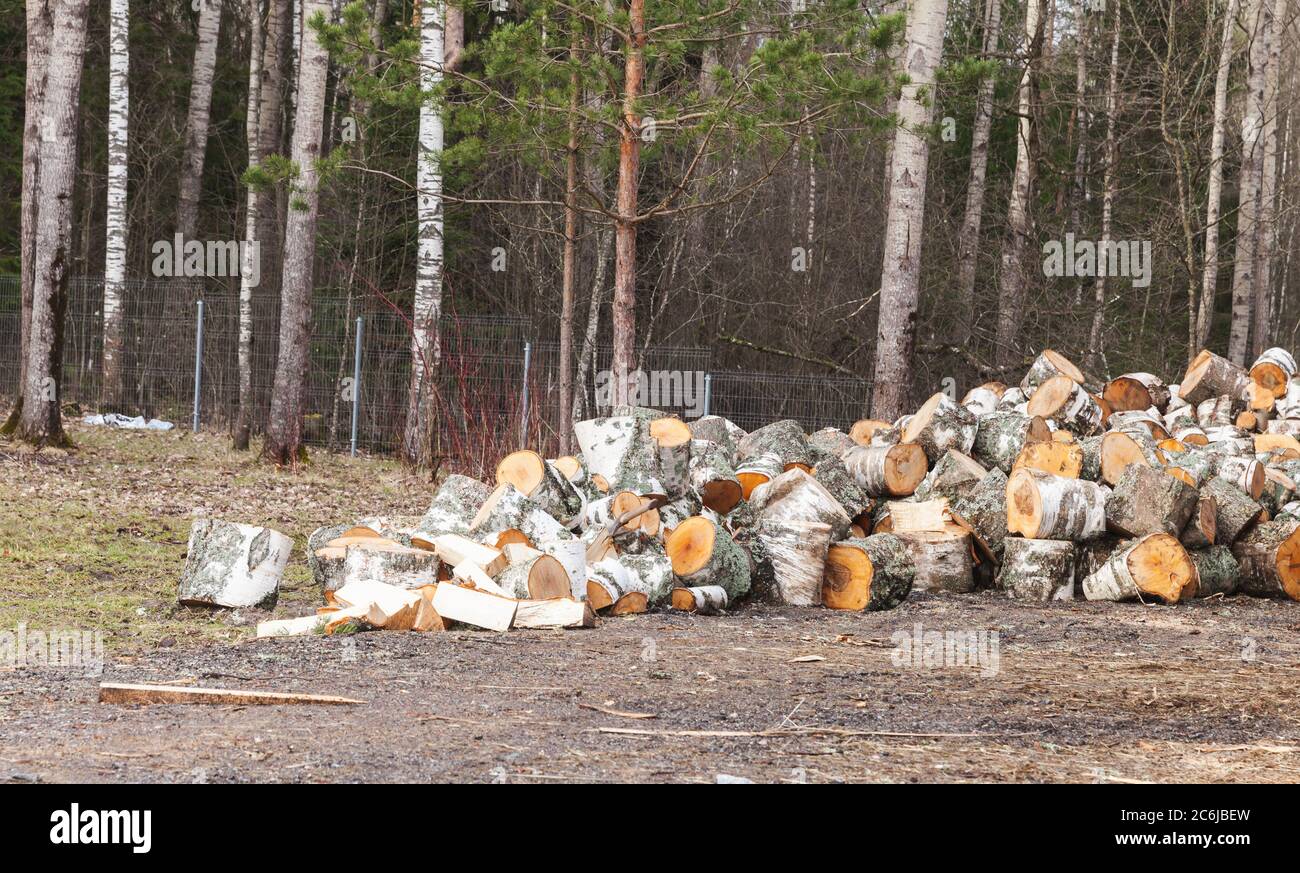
(40, 422)
(116, 217)
(1265, 216)
(1092, 359)
(1011, 285)
(196, 123)
(283, 444)
(417, 444)
(968, 241)
(570, 250)
(1252, 171)
(252, 215)
(40, 25)
(905, 219)
(1214, 188)
(629, 160)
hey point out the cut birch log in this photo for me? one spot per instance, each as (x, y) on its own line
(1215, 412)
(702, 553)
(233, 565)
(943, 561)
(887, 471)
(1155, 565)
(865, 428)
(540, 578)
(1278, 491)
(1001, 436)
(611, 586)
(1090, 469)
(556, 612)
(784, 438)
(474, 607)
(1246, 473)
(797, 549)
(1013, 400)
(887, 436)
(1067, 404)
(121, 692)
(1058, 458)
(798, 496)
(651, 573)
(1235, 511)
(1212, 376)
(1046, 507)
(292, 627)
(400, 566)
(1217, 571)
(1121, 448)
(1147, 500)
(953, 476)
(1145, 418)
(471, 575)
(983, 399)
(871, 573)
(324, 558)
(508, 508)
(1134, 391)
(985, 510)
(718, 431)
(571, 552)
(1269, 558)
(1038, 571)
(673, 439)
(456, 502)
(1049, 363)
(829, 442)
(712, 476)
(1273, 369)
(537, 479)
(455, 549)
(939, 425)
(704, 599)
(621, 451)
(757, 471)
(387, 607)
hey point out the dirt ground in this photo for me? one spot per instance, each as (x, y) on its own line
(1077, 692)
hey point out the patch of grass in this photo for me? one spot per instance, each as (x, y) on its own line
(95, 538)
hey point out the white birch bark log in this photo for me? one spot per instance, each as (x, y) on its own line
(233, 565)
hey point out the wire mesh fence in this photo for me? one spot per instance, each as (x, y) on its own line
(498, 381)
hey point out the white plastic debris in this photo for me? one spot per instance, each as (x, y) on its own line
(114, 419)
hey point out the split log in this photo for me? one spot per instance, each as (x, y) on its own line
(1202, 528)
(1217, 571)
(832, 475)
(455, 549)
(983, 399)
(939, 425)
(1235, 511)
(1120, 448)
(712, 477)
(386, 607)
(704, 599)
(1058, 458)
(233, 565)
(673, 439)
(292, 627)
(1037, 570)
(1136, 391)
(887, 471)
(539, 481)
(985, 510)
(943, 561)
(1211, 376)
(784, 438)
(872, 573)
(1049, 363)
(797, 549)
(473, 607)
(797, 496)
(1269, 555)
(456, 502)
(539, 578)
(1273, 370)
(1046, 507)
(471, 575)
(1002, 435)
(1288, 445)
(1067, 404)
(1155, 565)
(121, 692)
(702, 553)
(758, 471)
(953, 476)
(555, 612)
(864, 429)
(399, 566)
(1147, 500)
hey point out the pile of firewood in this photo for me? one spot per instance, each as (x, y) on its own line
(1130, 489)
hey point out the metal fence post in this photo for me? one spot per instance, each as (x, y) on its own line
(356, 386)
(523, 422)
(198, 366)
(708, 392)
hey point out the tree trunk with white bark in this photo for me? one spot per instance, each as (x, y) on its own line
(252, 215)
(196, 123)
(116, 216)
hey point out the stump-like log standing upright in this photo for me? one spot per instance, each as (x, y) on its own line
(1037, 570)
